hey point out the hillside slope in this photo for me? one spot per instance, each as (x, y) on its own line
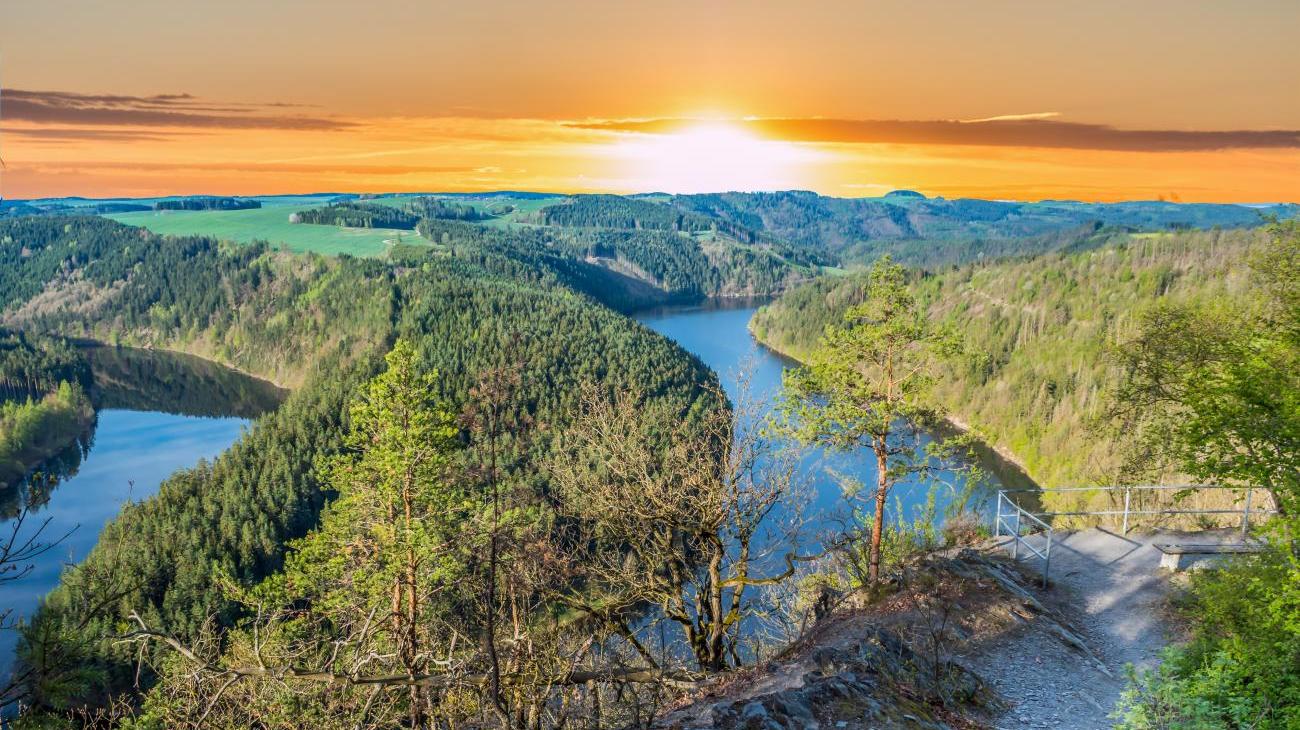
(937, 231)
(1037, 332)
(744, 243)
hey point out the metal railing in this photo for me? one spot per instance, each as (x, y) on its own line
(1013, 518)
(1127, 513)
(1006, 511)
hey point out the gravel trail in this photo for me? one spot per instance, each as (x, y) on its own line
(1112, 598)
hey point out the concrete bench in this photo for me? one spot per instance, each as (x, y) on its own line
(1171, 554)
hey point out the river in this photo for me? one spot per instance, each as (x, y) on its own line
(156, 413)
(718, 334)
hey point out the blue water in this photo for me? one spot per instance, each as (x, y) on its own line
(718, 335)
(131, 454)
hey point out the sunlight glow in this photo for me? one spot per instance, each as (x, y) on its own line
(709, 156)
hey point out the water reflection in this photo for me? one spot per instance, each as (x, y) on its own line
(156, 412)
(148, 380)
(131, 379)
(717, 332)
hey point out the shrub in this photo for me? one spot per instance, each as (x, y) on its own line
(1241, 668)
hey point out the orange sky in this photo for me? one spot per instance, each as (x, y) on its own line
(1098, 101)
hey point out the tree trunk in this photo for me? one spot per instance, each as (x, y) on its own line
(882, 492)
(717, 658)
(411, 637)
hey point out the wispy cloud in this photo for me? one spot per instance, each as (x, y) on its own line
(159, 110)
(89, 134)
(1009, 131)
(1012, 117)
(258, 167)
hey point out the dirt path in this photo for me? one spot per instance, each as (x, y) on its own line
(1113, 597)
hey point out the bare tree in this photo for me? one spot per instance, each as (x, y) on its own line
(24, 544)
(21, 547)
(935, 599)
(670, 511)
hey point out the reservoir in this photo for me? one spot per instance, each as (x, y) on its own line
(718, 334)
(156, 412)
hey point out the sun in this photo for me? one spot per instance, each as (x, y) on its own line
(709, 156)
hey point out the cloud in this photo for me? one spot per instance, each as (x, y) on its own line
(1012, 117)
(159, 110)
(88, 134)
(1009, 131)
(256, 167)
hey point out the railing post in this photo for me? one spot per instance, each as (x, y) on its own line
(1245, 516)
(1047, 557)
(997, 518)
(1128, 492)
(1015, 538)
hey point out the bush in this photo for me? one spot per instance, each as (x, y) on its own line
(1241, 668)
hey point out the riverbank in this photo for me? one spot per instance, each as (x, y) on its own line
(1012, 470)
(35, 430)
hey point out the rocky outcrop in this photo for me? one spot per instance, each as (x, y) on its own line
(914, 652)
(875, 682)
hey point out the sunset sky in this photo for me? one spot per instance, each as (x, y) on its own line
(1102, 100)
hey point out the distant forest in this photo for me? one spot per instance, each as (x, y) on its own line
(1039, 331)
(207, 204)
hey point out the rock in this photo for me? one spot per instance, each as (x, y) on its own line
(859, 681)
(755, 716)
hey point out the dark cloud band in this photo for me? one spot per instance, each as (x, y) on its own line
(161, 110)
(991, 133)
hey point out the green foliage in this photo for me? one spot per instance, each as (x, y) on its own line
(1216, 390)
(319, 323)
(426, 206)
(625, 269)
(900, 540)
(33, 430)
(1241, 668)
(940, 232)
(869, 384)
(874, 370)
(615, 211)
(391, 544)
(206, 203)
(258, 310)
(393, 496)
(1039, 332)
(33, 365)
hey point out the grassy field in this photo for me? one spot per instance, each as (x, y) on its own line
(523, 206)
(269, 223)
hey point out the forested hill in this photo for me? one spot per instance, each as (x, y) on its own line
(1037, 332)
(319, 323)
(542, 484)
(658, 248)
(616, 211)
(938, 231)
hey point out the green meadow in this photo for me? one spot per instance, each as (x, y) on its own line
(269, 223)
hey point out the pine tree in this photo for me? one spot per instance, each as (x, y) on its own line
(868, 380)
